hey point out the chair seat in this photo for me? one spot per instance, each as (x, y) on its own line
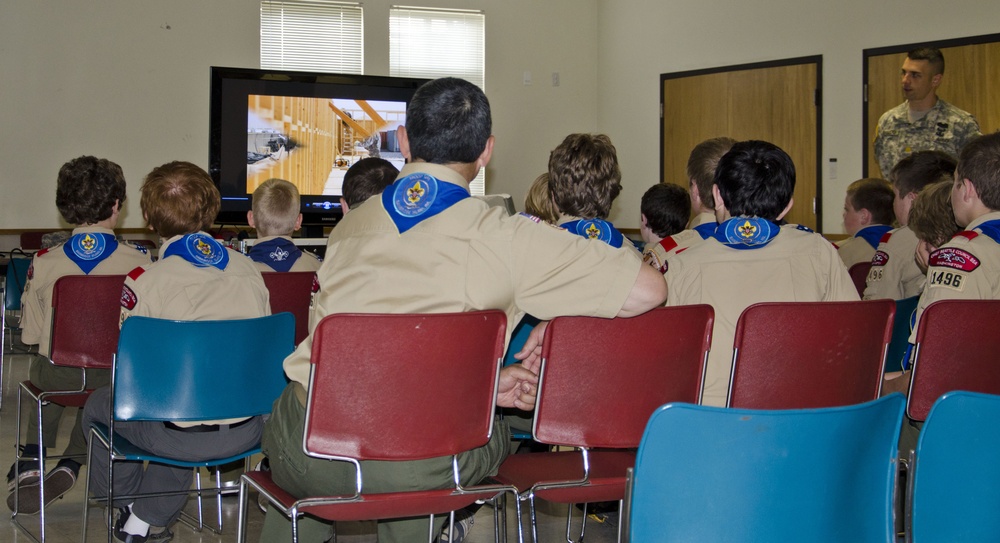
(125, 450)
(606, 481)
(63, 398)
(374, 506)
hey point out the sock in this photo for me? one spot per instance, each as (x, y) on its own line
(135, 525)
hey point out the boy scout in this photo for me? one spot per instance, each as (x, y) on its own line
(275, 214)
(867, 217)
(664, 210)
(701, 165)
(366, 178)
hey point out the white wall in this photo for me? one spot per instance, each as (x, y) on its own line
(639, 40)
(129, 80)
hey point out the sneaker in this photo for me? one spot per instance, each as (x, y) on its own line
(26, 472)
(462, 527)
(122, 515)
(57, 483)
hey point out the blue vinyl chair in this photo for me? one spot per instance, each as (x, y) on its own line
(739, 475)
(900, 341)
(955, 488)
(209, 370)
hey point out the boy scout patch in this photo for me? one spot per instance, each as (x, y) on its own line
(128, 298)
(950, 257)
(947, 279)
(654, 261)
(880, 258)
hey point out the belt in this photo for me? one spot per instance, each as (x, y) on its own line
(205, 427)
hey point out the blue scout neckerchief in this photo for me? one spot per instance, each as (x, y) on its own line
(88, 249)
(990, 229)
(872, 234)
(199, 249)
(596, 229)
(706, 229)
(746, 232)
(279, 253)
(418, 196)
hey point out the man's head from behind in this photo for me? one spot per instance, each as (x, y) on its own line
(701, 167)
(584, 177)
(89, 190)
(447, 122)
(977, 179)
(179, 198)
(275, 208)
(665, 209)
(754, 179)
(914, 172)
(366, 178)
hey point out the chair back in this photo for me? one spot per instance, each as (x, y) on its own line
(403, 386)
(737, 475)
(17, 276)
(32, 241)
(86, 311)
(955, 474)
(900, 341)
(291, 292)
(859, 276)
(797, 355)
(958, 348)
(200, 370)
(602, 378)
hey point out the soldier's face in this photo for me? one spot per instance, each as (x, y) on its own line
(918, 80)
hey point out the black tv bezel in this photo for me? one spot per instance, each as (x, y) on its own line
(230, 89)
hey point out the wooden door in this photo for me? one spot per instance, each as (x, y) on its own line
(971, 73)
(775, 101)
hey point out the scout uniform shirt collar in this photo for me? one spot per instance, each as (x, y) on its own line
(199, 249)
(746, 232)
(278, 252)
(598, 229)
(421, 191)
(89, 246)
(991, 216)
(873, 234)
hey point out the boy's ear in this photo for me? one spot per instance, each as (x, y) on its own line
(298, 221)
(250, 219)
(791, 202)
(866, 216)
(404, 142)
(343, 205)
(645, 222)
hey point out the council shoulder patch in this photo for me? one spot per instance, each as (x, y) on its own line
(129, 298)
(880, 258)
(950, 257)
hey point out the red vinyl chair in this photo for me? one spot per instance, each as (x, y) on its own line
(958, 348)
(291, 292)
(85, 315)
(859, 275)
(800, 355)
(600, 381)
(384, 355)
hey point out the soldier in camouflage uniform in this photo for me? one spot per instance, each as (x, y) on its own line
(923, 122)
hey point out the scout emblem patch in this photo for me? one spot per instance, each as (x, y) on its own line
(88, 249)
(199, 249)
(279, 253)
(596, 229)
(417, 197)
(746, 232)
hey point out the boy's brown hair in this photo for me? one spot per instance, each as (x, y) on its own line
(931, 217)
(914, 172)
(538, 202)
(584, 177)
(875, 195)
(87, 189)
(701, 165)
(179, 198)
(275, 208)
(979, 162)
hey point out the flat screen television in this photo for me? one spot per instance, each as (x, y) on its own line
(307, 128)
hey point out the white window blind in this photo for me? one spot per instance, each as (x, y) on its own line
(312, 35)
(432, 43)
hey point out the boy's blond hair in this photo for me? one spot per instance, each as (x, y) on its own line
(275, 208)
(538, 201)
(931, 217)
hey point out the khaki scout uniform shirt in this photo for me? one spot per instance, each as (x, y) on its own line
(895, 274)
(306, 262)
(796, 266)
(173, 288)
(47, 266)
(656, 254)
(469, 257)
(944, 128)
(856, 249)
(702, 218)
(965, 268)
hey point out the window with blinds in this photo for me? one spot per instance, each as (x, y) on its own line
(432, 43)
(312, 35)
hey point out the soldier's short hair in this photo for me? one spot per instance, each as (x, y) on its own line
(179, 198)
(979, 162)
(914, 172)
(932, 218)
(875, 195)
(932, 55)
(701, 166)
(666, 207)
(275, 207)
(756, 179)
(584, 177)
